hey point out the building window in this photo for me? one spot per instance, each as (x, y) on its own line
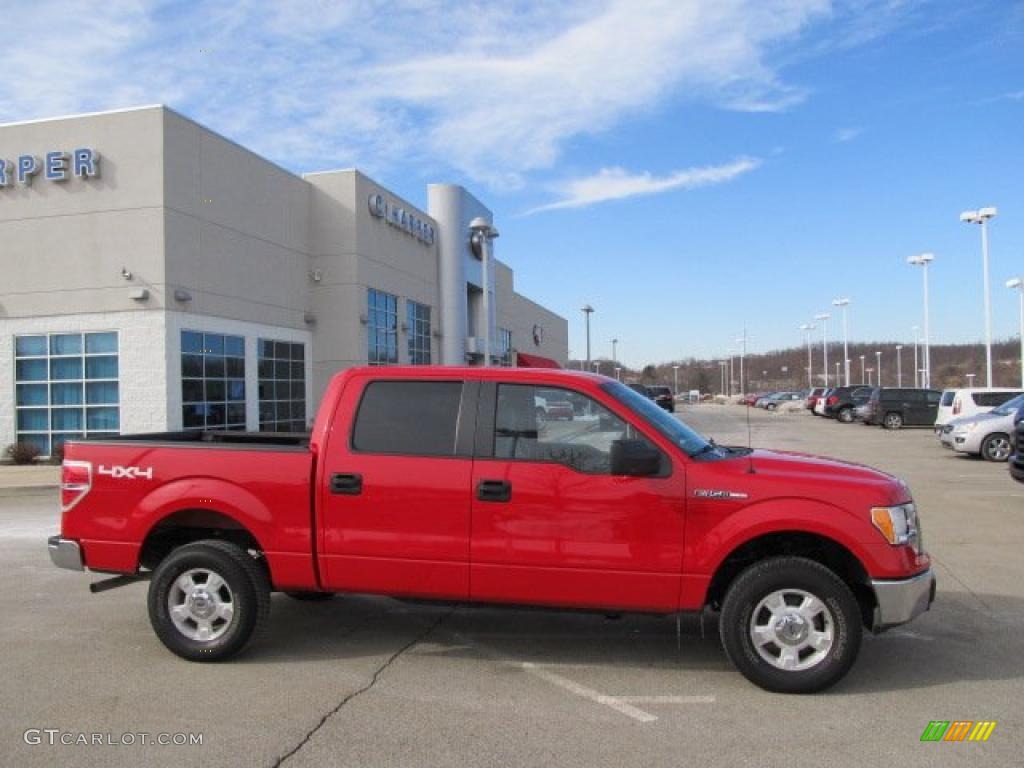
(418, 321)
(212, 381)
(282, 375)
(66, 386)
(505, 346)
(382, 328)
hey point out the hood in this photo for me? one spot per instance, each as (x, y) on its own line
(980, 417)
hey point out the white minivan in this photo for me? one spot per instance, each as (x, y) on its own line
(963, 403)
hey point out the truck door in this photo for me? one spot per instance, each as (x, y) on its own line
(395, 489)
(552, 525)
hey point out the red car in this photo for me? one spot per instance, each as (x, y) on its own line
(439, 483)
(752, 398)
(812, 398)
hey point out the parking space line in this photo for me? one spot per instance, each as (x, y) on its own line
(621, 704)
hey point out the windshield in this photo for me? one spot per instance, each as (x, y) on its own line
(1010, 406)
(693, 443)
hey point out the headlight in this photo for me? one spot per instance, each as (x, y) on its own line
(897, 524)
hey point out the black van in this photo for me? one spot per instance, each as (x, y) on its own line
(894, 407)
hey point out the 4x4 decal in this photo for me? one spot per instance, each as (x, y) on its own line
(126, 473)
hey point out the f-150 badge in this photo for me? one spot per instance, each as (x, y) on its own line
(703, 493)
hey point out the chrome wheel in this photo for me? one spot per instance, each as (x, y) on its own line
(893, 421)
(997, 448)
(201, 604)
(792, 630)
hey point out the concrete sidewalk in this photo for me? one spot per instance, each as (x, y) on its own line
(21, 479)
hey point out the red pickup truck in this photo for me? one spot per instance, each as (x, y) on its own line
(443, 483)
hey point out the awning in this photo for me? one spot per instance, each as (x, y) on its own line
(524, 360)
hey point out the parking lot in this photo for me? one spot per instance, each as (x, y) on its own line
(373, 681)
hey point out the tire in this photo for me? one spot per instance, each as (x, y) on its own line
(244, 587)
(845, 415)
(771, 406)
(996, 447)
(832, 614)
(892, 420)
(311, 597)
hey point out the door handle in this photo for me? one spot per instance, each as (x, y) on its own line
(346, 484)
(494, 490)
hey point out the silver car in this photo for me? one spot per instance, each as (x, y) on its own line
(987, 434)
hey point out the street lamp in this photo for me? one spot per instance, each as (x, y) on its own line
(837, 372)
(807, 328)
(899, 365)
(675, 379)
(970, 379)
(731, 377)
(923, 260)
(742, 341)
(618, 373)
(862, 376)
(823, 317)
(878, 366)
(615, 359)
(870, 371)
(844, 303)
(587, 311)
(1017, 283)
(481, 237)
(982, 216)
(917, 340)
(597, 366)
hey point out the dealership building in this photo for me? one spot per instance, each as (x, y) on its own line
(157, 276)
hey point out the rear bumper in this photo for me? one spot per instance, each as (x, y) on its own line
(65, 553)
(901, 600)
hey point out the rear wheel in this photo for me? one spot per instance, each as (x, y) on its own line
(771, 406)
(845, 415)
(892, 421)
(996, 447)
(790, 625)
(207, 600)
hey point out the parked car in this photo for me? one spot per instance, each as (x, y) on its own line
(435, 483)
(752, 399)
(841, 401)
(960, 403)
(1016, 460)
(819, 406)
(987, 434)
(552, 409)
(663, 397)
(813, 396)
(773, 401)
(897, 407)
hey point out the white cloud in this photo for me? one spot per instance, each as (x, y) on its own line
(843, 135)
(493, 90)
(618, 184)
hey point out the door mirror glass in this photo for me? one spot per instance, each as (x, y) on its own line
(635, 458)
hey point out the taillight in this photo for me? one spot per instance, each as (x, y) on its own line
(75, 482)
(956, 406)
(832, 400)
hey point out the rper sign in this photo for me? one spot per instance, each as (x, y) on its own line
(56, 166)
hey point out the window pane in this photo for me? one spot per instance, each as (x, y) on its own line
(66, 394)
(66, 344)
(33, 419)
(101, 392)
(101, 418)
(234, 345)
(213, 343)
(409, 417)
(236, 389)
(215, 367)
(236, 413)
(192, 390)
(59, 439)
(101, 367)
(31, 370)
(65, 368)
(30, 346)
(192, 416)
(215, 414)
(100, 342)
(298, 352)
(31, 394)
(64, 419)
(265, 347)
(191, 342)
(42, 442)
(192, 366)
(215, 390)
(236, 367)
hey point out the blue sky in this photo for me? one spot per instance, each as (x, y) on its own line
(684, 167)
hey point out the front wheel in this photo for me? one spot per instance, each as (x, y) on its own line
(771, 406)
(996, 447)
(846, 415)
(892, 421)
(790, 625)
(207, 600)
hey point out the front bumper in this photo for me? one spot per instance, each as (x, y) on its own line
(65, 553)
(900, 600)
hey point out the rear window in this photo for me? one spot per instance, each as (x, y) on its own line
(416, 418)
(992, 399)
(947, 398)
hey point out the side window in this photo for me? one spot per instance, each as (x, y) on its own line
(992, 399)
(934, 397)
(556, 425)
(416, 418)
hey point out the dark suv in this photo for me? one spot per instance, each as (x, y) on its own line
(1017, 439)
(904, 407)
(841, 401)
(663, 396)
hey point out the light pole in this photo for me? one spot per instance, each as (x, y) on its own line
(970, 379)
(870, 371)
(1017, 283)
(923, 260)
(878, 366)
(482, 235)
(729, 352)
(917, 340)
(742, 341)
(721, 376)
(899, 365)
(837, 372)
(862, 376)
(615, 359)
(618, 373)
(807, 328)
(587, 311)
(675, 379)
(823, 317)
(845, 303)
(982, 216)
(597, 366)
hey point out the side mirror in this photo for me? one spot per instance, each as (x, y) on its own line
(635, 458)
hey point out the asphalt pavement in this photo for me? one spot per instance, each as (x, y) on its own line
(367, 681)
